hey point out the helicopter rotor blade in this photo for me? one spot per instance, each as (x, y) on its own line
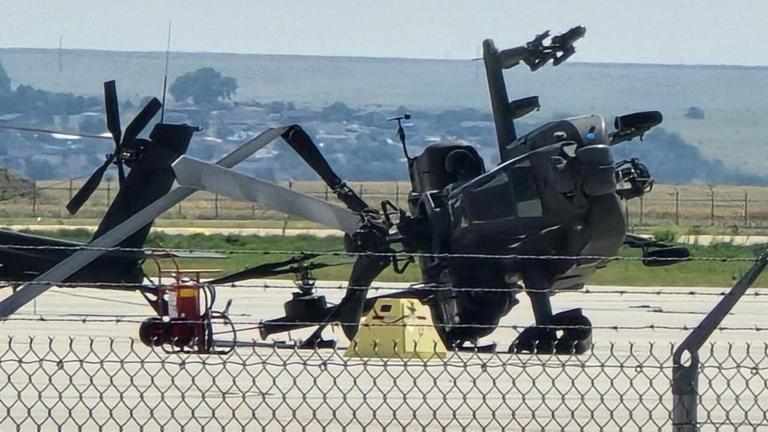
(216, 179)
(260, 271)
(89, 187)
(302, 144)
(350, 309)
(54, 132)
(269, 270)
(141, 120)
(113, 113)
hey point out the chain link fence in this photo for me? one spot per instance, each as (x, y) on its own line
(724, 206)
(119, 384)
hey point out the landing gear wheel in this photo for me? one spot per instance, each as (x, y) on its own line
(577, 332)
(153, 332)
(534, 340)
(575, 336)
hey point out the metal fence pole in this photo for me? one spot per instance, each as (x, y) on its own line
(216, 206)
(397, 194)
(34, 197)
(711, 206)
(626, 212)
(746, 208)
(287, 216)
(677, 207)
(685, 385)
(641, 210)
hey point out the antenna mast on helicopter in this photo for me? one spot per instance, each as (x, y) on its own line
(165, 76)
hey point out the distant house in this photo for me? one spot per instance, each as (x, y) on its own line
(299, 115)
(10, 116)
(468, 124)
(241, 115)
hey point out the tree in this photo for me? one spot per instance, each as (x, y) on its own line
(336, 112)
(205, 86)
(695, 113)
(92, 125)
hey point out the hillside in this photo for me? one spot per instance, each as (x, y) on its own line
(730, 98)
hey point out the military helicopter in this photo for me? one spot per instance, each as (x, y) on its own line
(150, 176)
(186, 324)
(542, 221)
(112, 259)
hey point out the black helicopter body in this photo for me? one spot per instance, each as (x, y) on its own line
(555, 196)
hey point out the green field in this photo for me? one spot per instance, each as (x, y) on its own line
(245, 251)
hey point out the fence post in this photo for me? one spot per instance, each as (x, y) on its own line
(109, 191)
(70, 189)
(397, 193)
(361, 190)
(746, 208)
(685, 378)
(711, 206)
(34, 197)
(287, 216)
(326, 192)
(626, 213)
(677, 207)
(179, 207)
(216, 206)
(641, 210)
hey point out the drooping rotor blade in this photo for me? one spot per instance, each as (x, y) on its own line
(88, 187)
(141, 120)
(216, 179)
(302, 144)
(113, 112)
(259, 272)
(67, 267)
(349, 310)
(262, 271)
(54, 132)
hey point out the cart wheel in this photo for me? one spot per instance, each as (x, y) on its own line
(153, 332)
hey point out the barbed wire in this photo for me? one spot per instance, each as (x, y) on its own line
(393, 254)
(258, 324)
(138, 286)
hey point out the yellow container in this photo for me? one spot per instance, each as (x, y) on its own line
(397, 328)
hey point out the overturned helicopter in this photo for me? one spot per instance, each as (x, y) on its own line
(542, 221)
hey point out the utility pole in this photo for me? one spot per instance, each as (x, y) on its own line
(61, 43)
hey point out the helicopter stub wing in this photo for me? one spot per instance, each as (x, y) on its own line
(200, 175)
(67, 267)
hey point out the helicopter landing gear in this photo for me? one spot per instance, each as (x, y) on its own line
(568, 332)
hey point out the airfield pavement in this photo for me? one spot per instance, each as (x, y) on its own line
(623, 384)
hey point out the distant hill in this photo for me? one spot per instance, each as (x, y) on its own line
(730, 102)
(12, 186)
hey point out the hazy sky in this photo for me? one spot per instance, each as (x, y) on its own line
(639, 31)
